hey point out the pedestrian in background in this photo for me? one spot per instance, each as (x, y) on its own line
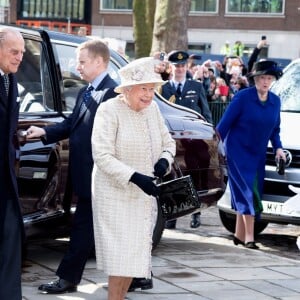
(226, 49)
(250, 121)
(131, 144)
(12, 48)
(238, 49)
(92, 62)
(182, 91)
(188, 93)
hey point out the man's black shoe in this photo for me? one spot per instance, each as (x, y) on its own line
(140, 283)
(59, 286)
(195, 221)
(170, 224)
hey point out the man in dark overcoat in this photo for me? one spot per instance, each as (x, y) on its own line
(92, 61)
(12, 48)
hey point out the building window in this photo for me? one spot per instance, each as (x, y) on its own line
(256, 6)
(196, 5)
(57, 9)
(199, 48)
(210, 6)
(116, 4)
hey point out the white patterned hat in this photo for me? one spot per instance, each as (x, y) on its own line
(139, 71)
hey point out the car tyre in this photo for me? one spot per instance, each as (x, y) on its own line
(158, 229)
(228, 221)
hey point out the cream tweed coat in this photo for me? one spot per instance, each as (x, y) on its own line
(125, 141)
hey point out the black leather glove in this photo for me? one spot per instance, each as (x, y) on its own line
(145, 183)
(161, 167)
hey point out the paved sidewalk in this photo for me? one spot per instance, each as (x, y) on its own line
(185, 266)
(188, 264)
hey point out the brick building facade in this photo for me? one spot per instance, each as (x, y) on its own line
(209, 20)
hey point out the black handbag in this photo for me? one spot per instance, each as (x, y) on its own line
(178, 197)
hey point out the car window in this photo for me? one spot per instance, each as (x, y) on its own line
(71, 81)
(288, 88)
(34, 85)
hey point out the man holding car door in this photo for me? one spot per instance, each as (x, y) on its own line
(92, 60)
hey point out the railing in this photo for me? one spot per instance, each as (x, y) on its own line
(57, 26)
(217, 109)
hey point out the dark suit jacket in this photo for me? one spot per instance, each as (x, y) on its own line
(9, 115)
(78, 128)
(192, 96)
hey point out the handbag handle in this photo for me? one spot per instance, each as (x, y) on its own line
(176, 167)
(176, 164)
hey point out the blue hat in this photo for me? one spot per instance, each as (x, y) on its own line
(178, 57)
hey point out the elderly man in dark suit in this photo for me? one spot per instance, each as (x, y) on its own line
(186, 92)
(12, 48)
(92, 61)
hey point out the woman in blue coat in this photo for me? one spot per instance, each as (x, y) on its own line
(249, 122)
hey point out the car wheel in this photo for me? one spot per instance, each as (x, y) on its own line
(158, 229)
(228, 221)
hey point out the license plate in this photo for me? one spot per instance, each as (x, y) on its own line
(273, 208)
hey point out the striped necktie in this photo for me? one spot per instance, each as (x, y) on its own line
(86, 97)
(6, 83)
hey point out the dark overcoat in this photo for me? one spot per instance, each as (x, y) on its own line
(78, 128)
(192, 96)
(9, 114)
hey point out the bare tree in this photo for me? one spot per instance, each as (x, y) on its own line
(143, 18)
(170, 25)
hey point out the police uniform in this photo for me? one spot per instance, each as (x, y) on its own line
(191, 94)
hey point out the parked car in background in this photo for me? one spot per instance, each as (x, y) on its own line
(48, 85)
(276, 190)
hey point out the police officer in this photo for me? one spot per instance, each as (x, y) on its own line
(186, 92)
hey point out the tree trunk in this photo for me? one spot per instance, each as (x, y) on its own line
(170, 26)
(143, 18)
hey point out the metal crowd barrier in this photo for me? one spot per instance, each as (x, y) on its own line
(217, 109)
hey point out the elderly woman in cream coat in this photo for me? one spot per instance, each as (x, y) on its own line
(131, 146)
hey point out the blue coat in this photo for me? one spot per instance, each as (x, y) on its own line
(78, 128)
(246, 128)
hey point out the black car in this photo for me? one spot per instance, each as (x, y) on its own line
(48, 85)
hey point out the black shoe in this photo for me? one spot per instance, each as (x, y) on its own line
(237, 241)
(251, 245)
(170, 224)
(140, 283)
(195, 222)
(59, 286)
